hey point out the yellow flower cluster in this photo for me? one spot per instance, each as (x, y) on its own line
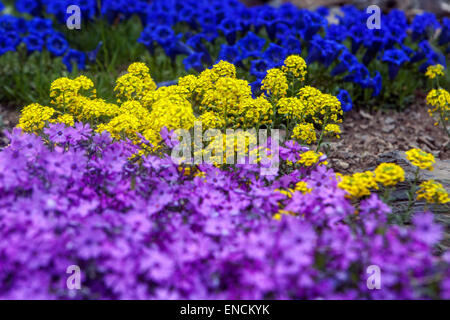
(439, 99)
(333, 130)
(310, 158)
(420, 159)
(295, 65)
(389, 174)
(292, 107)
(302, 187)
(432, 192)
(358, 185)
(134, 84)
(305, 132)
(275, 83)
(435, 71)
(34, 117)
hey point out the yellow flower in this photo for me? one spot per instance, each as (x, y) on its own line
(291, 107)
(275, 83)
(421, 159)
(389, 174)
(34, 117)
(67, 119)
(305, 132)
(302, 186)
(295, 65)
(310, 158)
(358, 185)
(435, 71)
(332, 129)
(432, 192)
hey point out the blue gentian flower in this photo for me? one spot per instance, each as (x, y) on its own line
(8, 42)
(376, 84)
(77, 57)
(1, 6)
(194, 61)
(396, 58)
(259, 68)
(292, 45)
(33, 42)
(346, 61)
(31, 7)
(346, 100)
(40, 26)
(92, 55)
(275, 55)
(57, 44)
(424, 25)
(229, 27)
(251, 45)
(323, 11)
(444, 38)
(229, 53)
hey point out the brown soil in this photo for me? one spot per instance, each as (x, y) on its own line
(367, 135)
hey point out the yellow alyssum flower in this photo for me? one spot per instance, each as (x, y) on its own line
(305, 132)
(432, 192)
(439, 99)
(357, 185)
(211, 120)
(135, 84)
(280, 213)
(291, 107)
(310, 158)
(421, 159)
(67, 119)
(332, 129)
(435, 71)
(34, 117)
(295, 65)
(389, 174)
(302, 186)
(255, 111)
(275, 83)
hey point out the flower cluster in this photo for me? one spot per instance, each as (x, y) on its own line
(36, 35)
(420, 159)
(438, 98)
(144, 228)
(433, 192)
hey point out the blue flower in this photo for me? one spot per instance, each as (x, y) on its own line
(92, 55)
(275, 55)
(40, 26)
(359, 74)
(57, 44)
(444, 38)
(259, 68)
(424, 25)
(74, 56)
(376, 84)
(251, 45)
(10, 23)
(8, 42)
(292, 45)
(346, 61)
(31, 7)
(194, 61)
(323, 11)
(34, 42)
(396, 58)
(346, 100)
(164, 35)
(1, 6)
(229, 53)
